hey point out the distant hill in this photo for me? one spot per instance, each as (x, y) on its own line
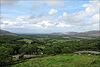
(88, 34)
(83, 35)
(3, 32)
(71, 33)
(56, 33)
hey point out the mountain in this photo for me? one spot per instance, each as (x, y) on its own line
(83, 35)
(88, 34)
(70, 33)
(56, 33)
(65, 33)
(3, 32)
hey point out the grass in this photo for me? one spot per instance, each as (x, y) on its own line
(63, 61)
(26, 40)
(73, 39)
(15, 59)
(61, 41)
(41, 47)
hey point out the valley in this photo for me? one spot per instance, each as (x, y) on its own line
(48, 50)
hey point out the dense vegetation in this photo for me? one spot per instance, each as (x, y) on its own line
(47, 45)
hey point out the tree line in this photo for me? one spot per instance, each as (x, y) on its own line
(9, 45)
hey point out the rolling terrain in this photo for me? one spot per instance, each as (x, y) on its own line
(63, 61)
(47, 49)
(69, 35)
(4, 32)
(82, 35)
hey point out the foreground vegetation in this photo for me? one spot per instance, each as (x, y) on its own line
(63, 61)
(37, 45)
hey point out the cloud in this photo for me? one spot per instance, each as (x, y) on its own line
(87, 19)
(1, 22)
(94, 19)
(8, 2)
(53, 11)
(79, 17)
(83, 20)
(36, 5)
(64, 14)
(63, 25)
(34, 16)
(11, 23)
(90, 8)
(55, 3)
(52, 4)
(41, 15)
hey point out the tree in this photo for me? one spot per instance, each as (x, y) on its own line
(5, 57)
(56, 49)
(66, 50)
(48, 50)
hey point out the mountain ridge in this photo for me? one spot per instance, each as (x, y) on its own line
(83, 35)
(4, 32)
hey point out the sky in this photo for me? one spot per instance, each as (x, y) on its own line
(48, 16)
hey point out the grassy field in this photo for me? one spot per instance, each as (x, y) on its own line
(61, 41)
(63, 61)
(41, 47)
(26, 40)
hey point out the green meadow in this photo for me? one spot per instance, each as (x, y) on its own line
(63, 61)
(26, 40)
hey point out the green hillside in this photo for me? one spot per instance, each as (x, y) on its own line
(63, 61)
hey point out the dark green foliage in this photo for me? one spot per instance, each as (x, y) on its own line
(5, 57)
(71, 46)
(12, 45)
(21, 56)
(28, 49)
(66, 50)
(48, 50)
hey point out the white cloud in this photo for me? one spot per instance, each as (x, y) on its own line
(53, 11)
(87, 19)
(63, 25)
(46, 23)
(64, 14)
(92, 7)
(95, 17)
(82, 15)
